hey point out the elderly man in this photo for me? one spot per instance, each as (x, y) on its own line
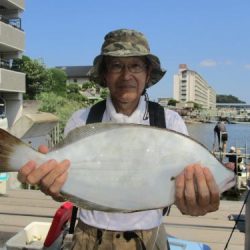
(127, 68)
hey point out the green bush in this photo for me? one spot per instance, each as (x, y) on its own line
(62, 107)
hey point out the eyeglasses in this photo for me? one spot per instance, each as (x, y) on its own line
(116, 67)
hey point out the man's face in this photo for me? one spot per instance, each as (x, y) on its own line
(126, 77)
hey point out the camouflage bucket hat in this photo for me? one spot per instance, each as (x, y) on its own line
(125, 43)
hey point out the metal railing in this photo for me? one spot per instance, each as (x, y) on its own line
(54, 136)
(14, 22)
(242, 164)
(5, 64)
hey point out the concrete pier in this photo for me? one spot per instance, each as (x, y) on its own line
(18, 208)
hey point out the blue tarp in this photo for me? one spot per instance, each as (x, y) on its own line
(4, 176)
(178, 244)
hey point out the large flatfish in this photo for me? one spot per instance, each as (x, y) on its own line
(119, 167)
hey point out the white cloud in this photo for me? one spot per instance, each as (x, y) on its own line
(247, 66)
(208, 63)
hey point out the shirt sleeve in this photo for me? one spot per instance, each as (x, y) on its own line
(175, 122)
(76, 120)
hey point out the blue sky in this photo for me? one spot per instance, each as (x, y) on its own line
(212, 37)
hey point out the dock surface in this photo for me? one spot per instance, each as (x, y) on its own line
(18, 208)
(212, 229)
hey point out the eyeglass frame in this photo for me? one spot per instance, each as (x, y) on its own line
(144, 66)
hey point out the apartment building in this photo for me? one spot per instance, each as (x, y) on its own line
(12, 40)
(189, 86)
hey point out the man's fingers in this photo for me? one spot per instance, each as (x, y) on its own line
(203, 193)
(213, 189)
(43, 149)
(40, 172)
(25, 171)
(196, 191)
(190, 189)
(179, 193)
(50, 175)
(53, 182)
(56, 187)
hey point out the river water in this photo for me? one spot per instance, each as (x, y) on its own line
(238, 134)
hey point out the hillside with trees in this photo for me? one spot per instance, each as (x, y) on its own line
(228, 99)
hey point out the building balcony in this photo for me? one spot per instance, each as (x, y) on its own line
(13, 4)
(14, 22)
(12, 39)
(12, 81)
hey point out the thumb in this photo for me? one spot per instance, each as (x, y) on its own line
(43, 149)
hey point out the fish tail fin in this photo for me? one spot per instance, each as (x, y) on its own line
(13, 152)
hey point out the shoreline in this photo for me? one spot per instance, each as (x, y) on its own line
(194, 121)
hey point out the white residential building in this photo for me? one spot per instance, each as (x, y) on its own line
(12, 40)
(189, 86)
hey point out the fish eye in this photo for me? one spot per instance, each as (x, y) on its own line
(172, 178)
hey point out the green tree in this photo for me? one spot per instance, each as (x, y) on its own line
(56, 82)
(60, 106)
(104, 92)
(40, 79)
(73, 93)
(36, 75)
(172, 102)
(88, 85)
(73, 88)
(196, 105)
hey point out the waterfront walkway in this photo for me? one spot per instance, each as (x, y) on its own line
(20, 207)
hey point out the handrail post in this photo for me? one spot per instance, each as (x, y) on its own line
(247, 223)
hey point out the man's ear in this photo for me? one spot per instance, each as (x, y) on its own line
(104, 82)
(148, 77)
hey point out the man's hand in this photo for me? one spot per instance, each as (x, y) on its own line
(50, 176)
(196, 191)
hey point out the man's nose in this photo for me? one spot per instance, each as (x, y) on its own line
(125, 72)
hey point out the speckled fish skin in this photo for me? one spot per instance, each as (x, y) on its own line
(123, 167)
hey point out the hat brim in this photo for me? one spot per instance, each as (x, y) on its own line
(155, 76)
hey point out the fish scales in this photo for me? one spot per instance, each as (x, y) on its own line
(121, 167)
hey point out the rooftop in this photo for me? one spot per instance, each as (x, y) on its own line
(75, 71)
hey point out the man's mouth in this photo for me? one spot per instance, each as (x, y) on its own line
(126, 86)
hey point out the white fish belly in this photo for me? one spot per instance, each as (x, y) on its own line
(131, 168)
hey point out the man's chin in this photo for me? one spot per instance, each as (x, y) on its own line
(128, 97)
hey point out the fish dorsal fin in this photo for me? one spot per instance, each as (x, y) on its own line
(87, 130)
